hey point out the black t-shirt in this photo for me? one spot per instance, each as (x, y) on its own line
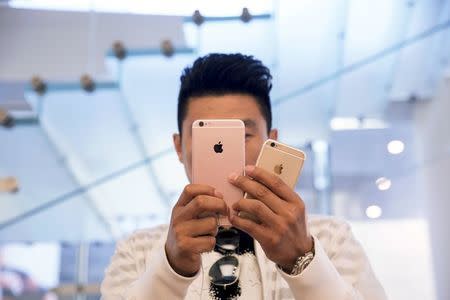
(246, 245)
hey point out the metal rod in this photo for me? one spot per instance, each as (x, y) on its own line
(82, 268)
(139, 140)
(152, 51)
(362, 63)
(51, 141)
(230, 18)
(82, 189)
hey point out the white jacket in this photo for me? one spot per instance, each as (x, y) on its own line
(340, 270)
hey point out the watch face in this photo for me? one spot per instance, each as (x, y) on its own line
(302, 263)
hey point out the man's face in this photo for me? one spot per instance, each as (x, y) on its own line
(231, 106)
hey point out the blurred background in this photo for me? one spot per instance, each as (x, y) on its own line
(88, 92)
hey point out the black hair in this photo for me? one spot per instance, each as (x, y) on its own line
(221, 74)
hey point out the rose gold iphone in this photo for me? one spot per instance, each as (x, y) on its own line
(218, 149)
(281, 160)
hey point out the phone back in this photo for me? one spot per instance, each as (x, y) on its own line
(281, 160)
(218, 149)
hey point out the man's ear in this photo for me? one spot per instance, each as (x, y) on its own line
(177, 146)
(273, 134)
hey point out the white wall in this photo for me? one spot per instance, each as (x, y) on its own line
(400, 254)
(433, 131)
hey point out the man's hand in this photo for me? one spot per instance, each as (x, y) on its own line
(191, 234)
(281, 230)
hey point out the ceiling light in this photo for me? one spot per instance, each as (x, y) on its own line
(344, 123)
(383, 183)
(395, 147)
(374, 211)
(353, 123)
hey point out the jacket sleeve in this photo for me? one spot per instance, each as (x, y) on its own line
(136, 274)
(343, 273)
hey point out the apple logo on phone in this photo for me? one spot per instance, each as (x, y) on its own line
(278, 169)
(218, 148)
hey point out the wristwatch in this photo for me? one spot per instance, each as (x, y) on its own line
(303, 261)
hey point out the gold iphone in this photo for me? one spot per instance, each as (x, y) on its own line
(218, 149)
(283, 161)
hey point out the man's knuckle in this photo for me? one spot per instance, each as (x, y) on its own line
(301, 206)
(211, 242)
(257, 207)
(188, 190)
(224, 207)
(299, 210)
(278, 182)
(240, 180)
(174, 215)
(211, 190)
(261, 192)
(183, 245)
(291, 217)
(257, 172)
(242, 225)
(283, 228)
(274, 239)
(177, 231)
(212, 223)
(199, 202)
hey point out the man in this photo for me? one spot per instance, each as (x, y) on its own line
(281, 254)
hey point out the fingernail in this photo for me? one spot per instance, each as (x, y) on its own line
(249, 168)
(218, 194)
(233, 176)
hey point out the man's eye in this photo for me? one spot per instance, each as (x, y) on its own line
(247, 135)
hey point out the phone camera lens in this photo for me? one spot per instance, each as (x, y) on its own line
(201, 123)
(272, 144)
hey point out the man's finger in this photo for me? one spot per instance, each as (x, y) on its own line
(203, 244)
(256, 208)
(259, 191)
(258, 232)
(200, 227)
(273, 182)
(204, 204)
(190, 191)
